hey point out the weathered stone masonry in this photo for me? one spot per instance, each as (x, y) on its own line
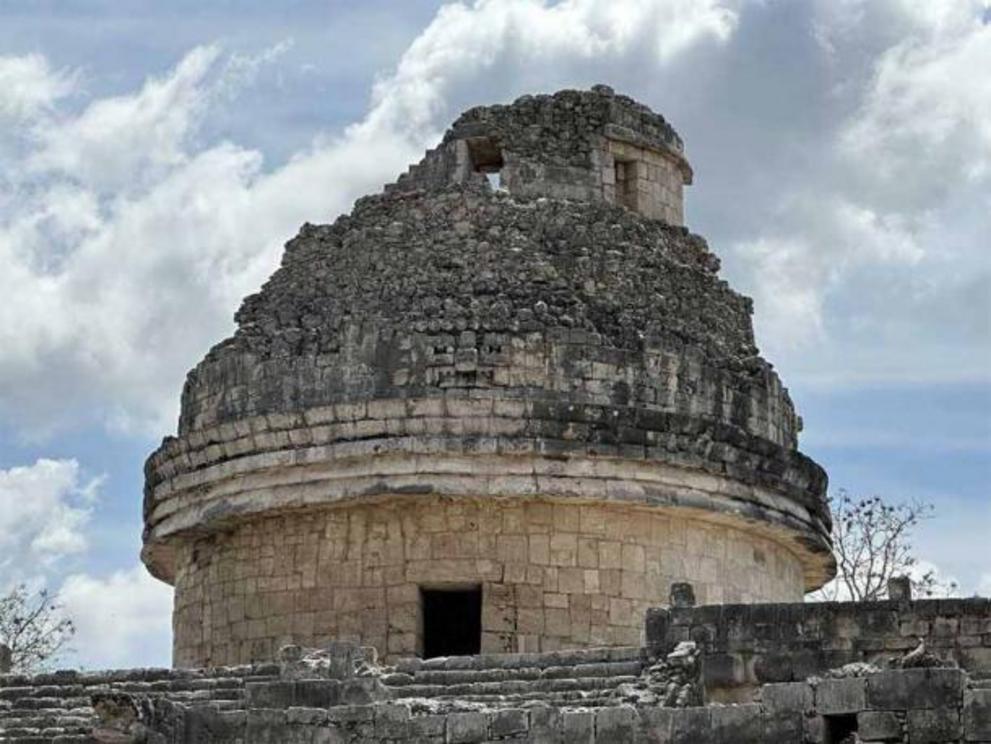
(342, 695)
(553, 575)
(747, 645)
(553, 343)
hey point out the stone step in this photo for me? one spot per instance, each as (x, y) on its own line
(570, 658)
(513, 687)
(46, 703)
(578, 698)
(458, 676)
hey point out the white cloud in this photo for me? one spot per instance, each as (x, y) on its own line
(29, 87)
(875, 268)
(118, 144)
(794, 272)
(44, 509)
(129, 243)
(122, 620)
(927, 110)
(46, 512)
(954, 540)
(465, 42)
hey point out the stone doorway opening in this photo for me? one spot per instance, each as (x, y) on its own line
(840, 729)
(486, 158)
(452, 620)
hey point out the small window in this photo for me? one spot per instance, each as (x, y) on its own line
(626, 183)
(486, 158)
(452, 621)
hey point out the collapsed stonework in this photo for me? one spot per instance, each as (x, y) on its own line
(529, 397)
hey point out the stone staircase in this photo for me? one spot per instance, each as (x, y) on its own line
(980, 679)
(58, 707)
(586, 677)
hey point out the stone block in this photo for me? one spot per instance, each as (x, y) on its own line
(879, 725)
(656, 725)
(615, 725)
(317, 693)
(305, 716)
(933, 725)
(425, 728)
(327, 735)
(736, 724)
(270, 694)
(977, 715)
(834, 696)
(578, 726)
(783, 727)
(392, 721)
(773, 667)
(464, 728)
(690, 725)
(787, 697)
(265, 725)
(545, 725)
(723, 671)
(915, 688)
(508, 722)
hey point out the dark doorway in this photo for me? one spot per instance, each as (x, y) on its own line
(840, 729)
(452, 621)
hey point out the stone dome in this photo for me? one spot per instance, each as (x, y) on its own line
(519, 322)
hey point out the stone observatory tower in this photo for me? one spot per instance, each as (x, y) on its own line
(500, 407)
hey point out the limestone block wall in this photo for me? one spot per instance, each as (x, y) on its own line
(589, 146)
(746, 645)
(647, 181)
(553, 575)
(913, 705)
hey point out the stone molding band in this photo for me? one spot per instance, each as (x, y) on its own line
(468, 448)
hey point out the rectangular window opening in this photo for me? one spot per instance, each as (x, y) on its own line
(452, 621)
(486, 158)
(626, 183)
(840, 729)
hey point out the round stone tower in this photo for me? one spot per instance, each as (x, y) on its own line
(501, 407)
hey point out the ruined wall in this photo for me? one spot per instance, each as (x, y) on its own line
(339, 695)
(919, 705)
(588, 146)
(553, 575)
(647, 181)
(473, 291)
(747, 645)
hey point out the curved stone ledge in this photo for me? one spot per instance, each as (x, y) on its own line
(518, 427)
(463, 448)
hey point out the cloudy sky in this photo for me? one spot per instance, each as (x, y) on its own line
(157, 155)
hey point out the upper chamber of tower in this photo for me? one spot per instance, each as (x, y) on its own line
(592, 146)
(521, 315)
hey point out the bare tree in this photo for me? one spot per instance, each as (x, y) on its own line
(34, 627)
(872, 541)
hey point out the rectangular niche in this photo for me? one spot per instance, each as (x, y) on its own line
(627, 177)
